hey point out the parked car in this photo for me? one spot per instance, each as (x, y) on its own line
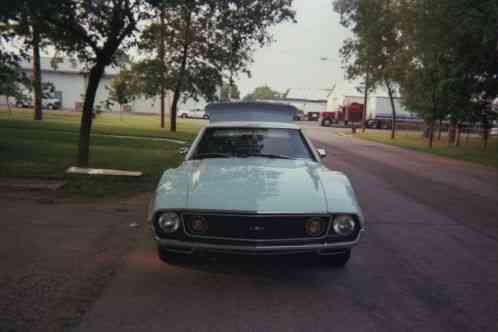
(48, 103)
(26, 103)
(252, 186)
(51, 103)
(194, 114)
(312, 116)
(299, 116)
(494, 131)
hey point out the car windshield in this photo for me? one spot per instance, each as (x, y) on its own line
(252, 142)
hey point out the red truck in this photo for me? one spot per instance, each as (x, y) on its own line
(346, 114)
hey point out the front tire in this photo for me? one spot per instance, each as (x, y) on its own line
(184, 116)
(326, 122)
(337, 260)
(168, 257)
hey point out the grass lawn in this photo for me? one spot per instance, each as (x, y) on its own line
(46, 148)
(470, 150)
(105, 123)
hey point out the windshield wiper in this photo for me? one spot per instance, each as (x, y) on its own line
(212, 155)
(269, 155)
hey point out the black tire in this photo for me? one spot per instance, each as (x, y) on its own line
(326, 122)
(337, 260)
(169, 257)
(50, 106)
(205, 117)
(184, 116)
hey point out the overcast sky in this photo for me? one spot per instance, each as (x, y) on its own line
(294, 60)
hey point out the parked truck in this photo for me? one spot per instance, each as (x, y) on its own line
(347, 114)
(381, 116)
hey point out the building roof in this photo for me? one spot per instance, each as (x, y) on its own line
(63, 65)
(309, 95)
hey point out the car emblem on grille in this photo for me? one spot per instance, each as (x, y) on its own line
(256, 228)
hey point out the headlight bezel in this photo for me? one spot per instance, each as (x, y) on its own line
(174, 222)
(350, 219)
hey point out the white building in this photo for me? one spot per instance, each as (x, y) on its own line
(307, 100)
(70, 80)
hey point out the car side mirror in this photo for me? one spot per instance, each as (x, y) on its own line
(183, 150)
(322, 153)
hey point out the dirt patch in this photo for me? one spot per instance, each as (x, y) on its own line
(57, 257)
(30, 184)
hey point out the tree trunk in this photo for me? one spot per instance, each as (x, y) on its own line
(485, 134)
(8, 105)
(425, 133)
(439, 130)
(365, 104)
(452, 133)
(181, 74)
(37, 80)
(86, 118)
(163, 65)
(458, 135)
(393, 108)
(431, 134)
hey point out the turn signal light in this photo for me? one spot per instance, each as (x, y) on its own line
(313, 227)
(198, 224)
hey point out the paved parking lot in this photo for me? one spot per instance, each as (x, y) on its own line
(428, 262)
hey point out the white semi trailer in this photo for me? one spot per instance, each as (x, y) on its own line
(381, 116)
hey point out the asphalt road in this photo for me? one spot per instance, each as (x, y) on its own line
(56, 257)
(428, 262)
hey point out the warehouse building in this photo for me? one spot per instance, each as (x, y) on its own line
(70, 80)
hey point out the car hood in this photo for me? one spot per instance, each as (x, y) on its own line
(254, 185)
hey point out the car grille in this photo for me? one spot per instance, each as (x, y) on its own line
(255, 227)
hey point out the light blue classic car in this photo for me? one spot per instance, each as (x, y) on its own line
(252, 183)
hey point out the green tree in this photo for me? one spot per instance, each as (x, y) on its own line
(93, 31)
(374, 53)
(453, 63)
(229, 92)
(12, 81)
(122, 89)
(426, 35)
(474, 69)
(25, 22)
(263, 92)
(146, 78)
(209, 40)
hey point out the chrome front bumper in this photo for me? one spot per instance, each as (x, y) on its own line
(257, 249)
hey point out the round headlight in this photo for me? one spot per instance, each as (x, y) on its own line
(313, 227)
(169, 222)
(344, 225)
(199, 224)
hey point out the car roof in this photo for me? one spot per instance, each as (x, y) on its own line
(252, 124)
